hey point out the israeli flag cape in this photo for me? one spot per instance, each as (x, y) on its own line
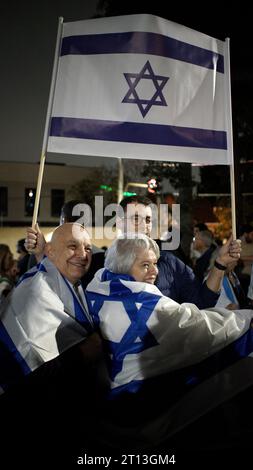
(40, 319)
(148, 334)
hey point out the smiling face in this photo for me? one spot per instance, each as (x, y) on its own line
(70, 251)
(145, 268)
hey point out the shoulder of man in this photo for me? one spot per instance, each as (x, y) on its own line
(168, 257)
(40, 278)
(171, 265)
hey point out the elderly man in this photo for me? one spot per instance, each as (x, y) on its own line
(45, 328)
(47, 313)
(35, 242)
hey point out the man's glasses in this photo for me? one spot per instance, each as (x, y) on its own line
(139, 219)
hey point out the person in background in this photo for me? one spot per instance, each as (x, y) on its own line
(14, 273)
(203, 243)
(232, 295)
(194, 254)
(23, 258)
(244, 266)
(6, 271)
(250, 289)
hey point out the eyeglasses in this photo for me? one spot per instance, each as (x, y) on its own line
(138, 219)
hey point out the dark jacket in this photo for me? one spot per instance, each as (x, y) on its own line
(203, 262)
(177, 281)
(97, 263)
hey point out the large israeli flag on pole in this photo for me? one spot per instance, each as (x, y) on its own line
(140, 86)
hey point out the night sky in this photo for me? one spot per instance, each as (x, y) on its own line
(215, 18)
(27, 38)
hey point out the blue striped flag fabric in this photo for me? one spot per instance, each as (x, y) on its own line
(147, 334)
(140, 86)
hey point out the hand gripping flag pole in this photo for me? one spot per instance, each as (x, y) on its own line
(48, 116)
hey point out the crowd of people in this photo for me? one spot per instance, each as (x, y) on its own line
(12, 269)
(109, 343)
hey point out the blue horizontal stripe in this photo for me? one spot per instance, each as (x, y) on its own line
(142, 43)
(133, 132)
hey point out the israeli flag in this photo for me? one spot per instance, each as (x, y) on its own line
(41, 318)
(147, 334)
(140, 86)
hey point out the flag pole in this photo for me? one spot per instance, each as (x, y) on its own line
(46, 131)
(230, 136)
(120, 180)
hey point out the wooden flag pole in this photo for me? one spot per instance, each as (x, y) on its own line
(46, 131)
(233, 206)
(120, 180)
(230, 138)
(38, 190)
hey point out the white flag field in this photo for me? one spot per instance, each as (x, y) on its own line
(141, 87)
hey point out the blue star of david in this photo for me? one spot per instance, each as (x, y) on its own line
(137, 330)
(159, 82)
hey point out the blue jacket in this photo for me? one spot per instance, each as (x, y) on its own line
(177, 281)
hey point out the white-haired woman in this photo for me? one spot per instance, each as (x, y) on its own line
(145, 333)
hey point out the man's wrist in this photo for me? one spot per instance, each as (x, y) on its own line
(220, 266)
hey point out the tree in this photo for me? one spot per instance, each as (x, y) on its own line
(103, 182)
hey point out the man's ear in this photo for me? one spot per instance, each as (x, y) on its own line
(49, 252)
(120, 224)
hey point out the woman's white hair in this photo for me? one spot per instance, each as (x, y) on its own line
(122, 254)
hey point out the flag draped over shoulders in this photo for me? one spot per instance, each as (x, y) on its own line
(40, 319)
(147, 334)
(140, 86)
